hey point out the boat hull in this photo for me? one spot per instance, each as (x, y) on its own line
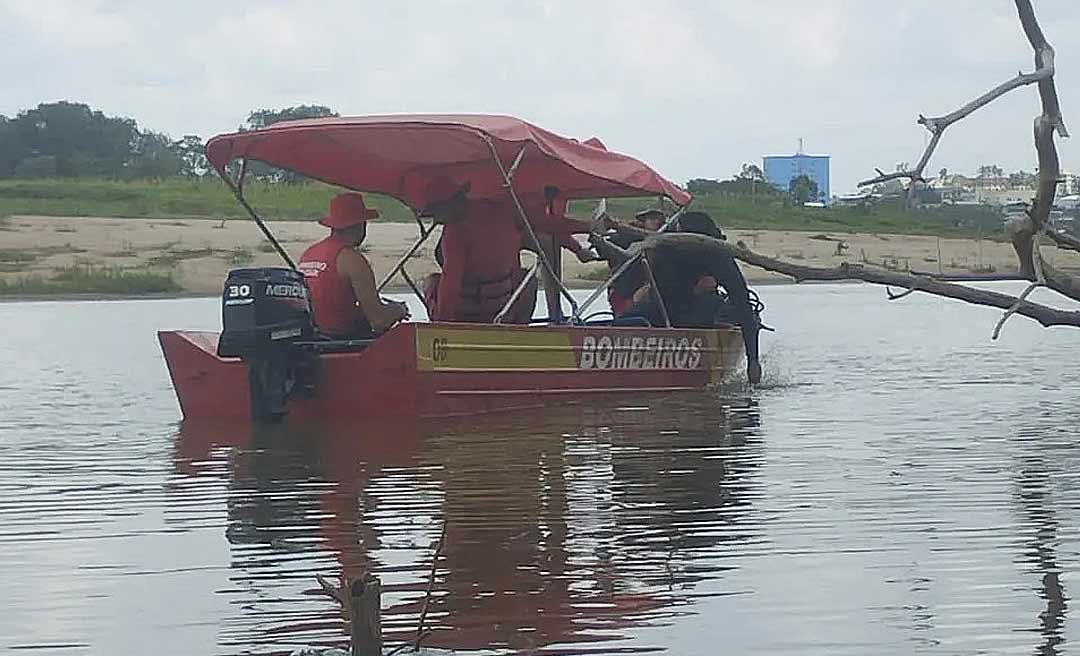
(443, 369)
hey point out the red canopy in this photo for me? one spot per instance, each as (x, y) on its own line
(403, 156)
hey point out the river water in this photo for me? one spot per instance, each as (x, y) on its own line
(900, 485)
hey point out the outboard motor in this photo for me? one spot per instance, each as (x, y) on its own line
(265, 312)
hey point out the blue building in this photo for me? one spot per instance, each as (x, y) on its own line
(780, 170)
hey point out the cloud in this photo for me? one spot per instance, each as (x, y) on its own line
(694, 87)
(68, 24)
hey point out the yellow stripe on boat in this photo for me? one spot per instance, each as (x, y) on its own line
(439, 348)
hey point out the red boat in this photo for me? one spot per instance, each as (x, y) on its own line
(434, 369)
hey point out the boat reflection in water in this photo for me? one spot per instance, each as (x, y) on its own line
(565, 527)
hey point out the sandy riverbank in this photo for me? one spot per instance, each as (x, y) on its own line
(199, 252)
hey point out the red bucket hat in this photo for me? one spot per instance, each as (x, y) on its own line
(347, 210)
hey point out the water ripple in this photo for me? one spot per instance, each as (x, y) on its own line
(902, 485)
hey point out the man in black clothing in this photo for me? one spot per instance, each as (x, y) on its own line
(621, 292)
(687, 284)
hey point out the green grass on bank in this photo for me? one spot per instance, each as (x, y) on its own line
(174, 198)
(178, 198)
(771, 213)
(87, 279)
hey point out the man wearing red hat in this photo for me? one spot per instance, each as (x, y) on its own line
(343, 292)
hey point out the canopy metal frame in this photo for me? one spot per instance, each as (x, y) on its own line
(654, 290)
(399, 267)
(623, 268)
(533, 270)
(237, 188)
(507, 173)
(534, 241)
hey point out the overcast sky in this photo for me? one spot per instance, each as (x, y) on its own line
(693, 88)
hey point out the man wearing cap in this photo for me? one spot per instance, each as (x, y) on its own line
(621, 292)
(343, 292)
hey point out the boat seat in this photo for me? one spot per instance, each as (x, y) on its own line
(335, 345)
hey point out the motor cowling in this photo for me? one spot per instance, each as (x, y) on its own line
(264, 313)
(263, 308)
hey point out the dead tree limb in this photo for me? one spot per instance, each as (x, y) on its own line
(1043, 76)
(339, 593)
(897, 297)
(366, 616)
(1045, 315)
(420, 632)
(1025, 234)
(1044, 61)
(1064, 241)
(361, 602)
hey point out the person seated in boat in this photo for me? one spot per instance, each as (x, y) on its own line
(621, 292)
(479, 252)
(688, 285)
(344, 297)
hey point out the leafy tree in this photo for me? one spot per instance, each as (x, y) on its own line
(261, 118)
(803, 189)
(943, 173)
(82, 141)
(736, 186)
(751, 172)
(991, 171)
(153, 157)
(703, 186)
(191, 153)
(1022, 179)
(36, 166)
(9, 147)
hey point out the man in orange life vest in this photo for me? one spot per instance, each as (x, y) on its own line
(480, 255)
(343, 292)
(480, 246)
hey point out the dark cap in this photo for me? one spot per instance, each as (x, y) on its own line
(700, 223)
(649, 211)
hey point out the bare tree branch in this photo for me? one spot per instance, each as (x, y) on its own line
(1022, 237)
(1049, 171)
(971, 277)
(939, 123)
(1020, 300)
(1025, 233)
(1044, 61)
(897, 297)
(1045, 315)
(1064, 240)
(1043, 76)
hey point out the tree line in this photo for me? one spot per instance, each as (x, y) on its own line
(750, 181)
(72, 140)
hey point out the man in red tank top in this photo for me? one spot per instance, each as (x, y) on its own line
(342, 284)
